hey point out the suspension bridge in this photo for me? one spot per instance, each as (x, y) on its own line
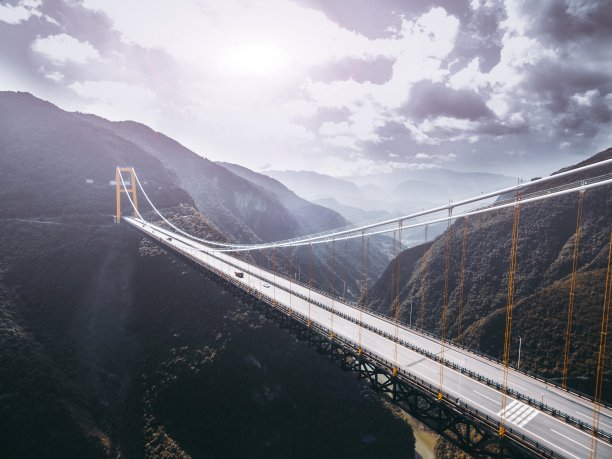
(487, 407)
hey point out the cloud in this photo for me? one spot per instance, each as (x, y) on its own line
(336, 84)
(377, 70)
(63, 48)
(16, 14)
(436, 99)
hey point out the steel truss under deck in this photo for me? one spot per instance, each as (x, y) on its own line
(472, 431)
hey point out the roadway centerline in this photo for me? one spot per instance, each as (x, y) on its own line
(347, 324)
(488, 398)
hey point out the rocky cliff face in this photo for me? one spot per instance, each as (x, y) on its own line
(545, 248)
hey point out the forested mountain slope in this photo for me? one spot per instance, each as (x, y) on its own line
(544, 261)
(110, 347)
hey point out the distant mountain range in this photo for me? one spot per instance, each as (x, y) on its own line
(399, 192)
(311, 217)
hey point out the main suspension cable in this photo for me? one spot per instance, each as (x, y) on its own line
(325, 238)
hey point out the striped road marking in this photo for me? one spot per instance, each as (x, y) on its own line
(518, 413)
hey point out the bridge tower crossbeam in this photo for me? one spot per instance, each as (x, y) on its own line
(120, 189)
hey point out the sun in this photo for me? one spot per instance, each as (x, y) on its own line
(254, 59)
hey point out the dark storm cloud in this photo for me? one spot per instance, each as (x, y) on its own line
(480, 36)
(377, 71)
(562, 23)
(429, 100)
(555, 83)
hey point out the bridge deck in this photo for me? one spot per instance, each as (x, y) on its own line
(377, 337)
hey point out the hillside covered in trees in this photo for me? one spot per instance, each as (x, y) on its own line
(544, 263)
(110, 347)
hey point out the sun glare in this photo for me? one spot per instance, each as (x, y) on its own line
(255, 59)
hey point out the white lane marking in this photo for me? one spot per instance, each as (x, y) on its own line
(488, 398)
(528, 419)
(514, 404)
(492, 412)
(527, 416)
(574, 441)
(554, 444)
(223, 262)
(518, 413)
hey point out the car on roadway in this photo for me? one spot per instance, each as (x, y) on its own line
(239, 274)
(266, 285)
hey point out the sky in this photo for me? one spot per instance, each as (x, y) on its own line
(344, 87)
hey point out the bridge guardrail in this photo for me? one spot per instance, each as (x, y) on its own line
(425, 333)
(543, 407)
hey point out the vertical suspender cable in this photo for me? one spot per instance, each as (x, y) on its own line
(509, 308)
(309, 279)
(260, 281)
(333, 286)
(397, 296)
(424, 263)
(361, 290)
(346, 274)
(570, 306)
(392, 267)
(274, 274)
(601, 356)
(445, 304)
(462, 280)
(290, 277)
(367, 272)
